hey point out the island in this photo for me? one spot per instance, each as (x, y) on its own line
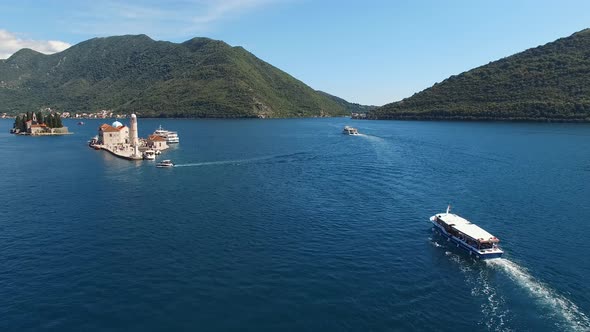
(39, 124)
(123, 141)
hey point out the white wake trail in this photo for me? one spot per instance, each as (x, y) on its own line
(493, 306)
(576, 319)
(240, 161)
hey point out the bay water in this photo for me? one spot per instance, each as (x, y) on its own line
(269, 225)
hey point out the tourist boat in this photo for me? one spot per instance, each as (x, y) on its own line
(81, 123)
(466, 235)
(170, 136)
(350, 131)
(164, 163)
(149, 155)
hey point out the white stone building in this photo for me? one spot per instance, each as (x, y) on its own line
(113, 135)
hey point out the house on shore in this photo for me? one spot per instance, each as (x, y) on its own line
(156, 142)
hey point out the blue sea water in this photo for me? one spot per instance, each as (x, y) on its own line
(270, 225)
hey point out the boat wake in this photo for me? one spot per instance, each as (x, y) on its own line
(493, 305)
(573, 316)
(282, 157)
(371, 137)
(567, 313)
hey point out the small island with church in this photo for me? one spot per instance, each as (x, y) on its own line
(123, 141)
(39, 124)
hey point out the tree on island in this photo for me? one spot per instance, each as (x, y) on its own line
(19, 123)
(51, 120)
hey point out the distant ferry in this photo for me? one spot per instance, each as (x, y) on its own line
(350, 131)
(170, 136)
(466, 235)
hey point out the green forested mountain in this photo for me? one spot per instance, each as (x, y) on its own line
(546, 83)
(198, 78)
(350, 107)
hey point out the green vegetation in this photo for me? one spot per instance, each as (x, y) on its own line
(350, 107)
(198, 78)
(51, 120)
(546, 83)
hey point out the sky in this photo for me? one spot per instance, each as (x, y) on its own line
(369, 52)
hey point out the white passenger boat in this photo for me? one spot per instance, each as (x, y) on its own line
(350, 131)
(165, 163)
(149, 155)
(170, 136)
(467, 235)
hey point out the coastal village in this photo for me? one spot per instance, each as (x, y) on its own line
(124, 142)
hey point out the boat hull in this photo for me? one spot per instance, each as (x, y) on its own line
(471, 250)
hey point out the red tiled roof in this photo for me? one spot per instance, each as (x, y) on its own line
(108, 128)
(156, 138)
(39, 125)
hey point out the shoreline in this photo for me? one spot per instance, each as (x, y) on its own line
(44, 134)
(102, 147)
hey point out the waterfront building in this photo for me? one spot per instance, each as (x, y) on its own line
(157, 142)
(113, 135)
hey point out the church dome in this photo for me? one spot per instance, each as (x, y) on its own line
(117, 124)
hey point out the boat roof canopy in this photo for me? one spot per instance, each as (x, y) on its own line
(466, 227)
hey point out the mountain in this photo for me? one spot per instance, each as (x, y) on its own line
(546, 83)
(350, 107)
(198, 78)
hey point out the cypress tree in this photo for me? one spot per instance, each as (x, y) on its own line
(39, 117)
(58, 123)
(23, 125)
(17, 122)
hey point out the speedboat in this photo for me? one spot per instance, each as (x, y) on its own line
(149, 155)
(164, 163)
(466, 235)
(170, 136)
(350, 131)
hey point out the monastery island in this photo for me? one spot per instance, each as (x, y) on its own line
(39, 124)
(123, 141)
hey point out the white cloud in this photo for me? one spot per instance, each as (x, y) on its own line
(10, 43)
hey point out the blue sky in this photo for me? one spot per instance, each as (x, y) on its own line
(370, 52)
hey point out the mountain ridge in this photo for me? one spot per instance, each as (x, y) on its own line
(200, 77)
(549, 82)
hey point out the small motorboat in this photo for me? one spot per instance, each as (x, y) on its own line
(165, 163)
(149, 155)
(81, 123)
